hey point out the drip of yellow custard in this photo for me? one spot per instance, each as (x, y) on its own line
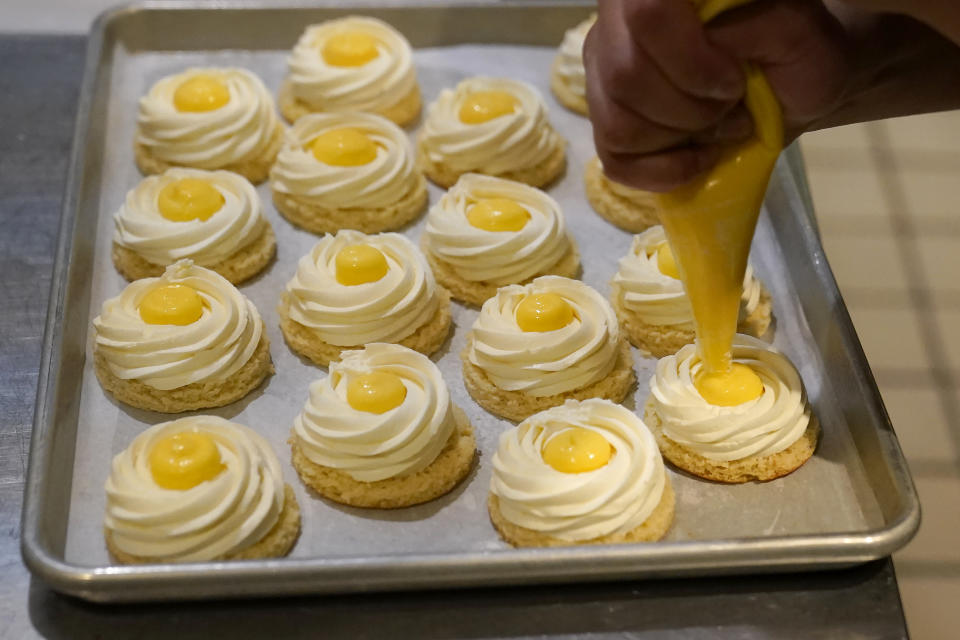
(666, 264)
(483, 106)
(710, 223)
(201, 93)
(577, 450)
(350, 49)
(346, 147)
(735, 386)
(184, 460)
(360, 264)
(498, 214)
(376, 392)
(171, 304)
(543, 312)
(189, 199)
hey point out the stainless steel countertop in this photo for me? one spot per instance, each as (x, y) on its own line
(39, 78)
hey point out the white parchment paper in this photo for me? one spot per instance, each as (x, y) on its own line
(827, 495)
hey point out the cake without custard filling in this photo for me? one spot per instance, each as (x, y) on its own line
(568, 79)
(208, 118)
(214, 218)
(653, 308)
(581, 473)
(186, 340)
(380, 431)
(535, 346)
(351, 64)
(493, 126)
(488, 232)
(353, 289)
(630, 209)
(198, 489)
(347, 171)
(749, 423)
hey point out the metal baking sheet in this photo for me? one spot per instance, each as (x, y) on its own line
(854, 501)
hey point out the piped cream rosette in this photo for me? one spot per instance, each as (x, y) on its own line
(610, 501)
(375, 446)
(389, 177)
(765, 426)
(376, 85)
(576, 355)
(475, 254)
(641, 287)
(568, 77)
(380, 431)
(519, 143)
(398, 303)
(214, 347)
(240, 131)
(140, 226)
(215, 519)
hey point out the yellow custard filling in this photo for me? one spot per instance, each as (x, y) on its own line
(577, 450)
(184, 460)
(483, 106)
(376, 392)
(349, 49)
(498, 214)
(201, 93)
(175, 304)
(360, 264)
(346, 147)
(543, 312)
(189, 199)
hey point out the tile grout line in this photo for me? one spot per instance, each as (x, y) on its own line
(905, 239)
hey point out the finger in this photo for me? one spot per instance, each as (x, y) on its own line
(628, 76)
(736, 126)
(800, 47)
(662, 171)
(674, 38)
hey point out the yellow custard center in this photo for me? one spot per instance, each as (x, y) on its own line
(184, 460)
(666, 263)
(346, 147)
(498, 214)
(350, 49)
(729, 388)
(171, 304)
(544, 312)
(483, 106)
(360, 264)
(376, 392)
(577, 450)
(201, 93)
(189, 199)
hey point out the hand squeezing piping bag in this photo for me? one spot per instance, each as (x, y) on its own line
(710, 221)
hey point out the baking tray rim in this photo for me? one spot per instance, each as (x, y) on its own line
(340, 574)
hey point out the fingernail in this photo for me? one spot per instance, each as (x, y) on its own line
(727, 88)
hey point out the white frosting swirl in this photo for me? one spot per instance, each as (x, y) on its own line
(550, 362)
(569, 61)
(511, 142)
(377, 85)
(498, 257)
(166, 356)
(140, 227)
(659, 299)
(221, 516)
(370, 446)
(761, 427)
(613, 499)
(387, 310)
(239, 131)
(384, 181)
